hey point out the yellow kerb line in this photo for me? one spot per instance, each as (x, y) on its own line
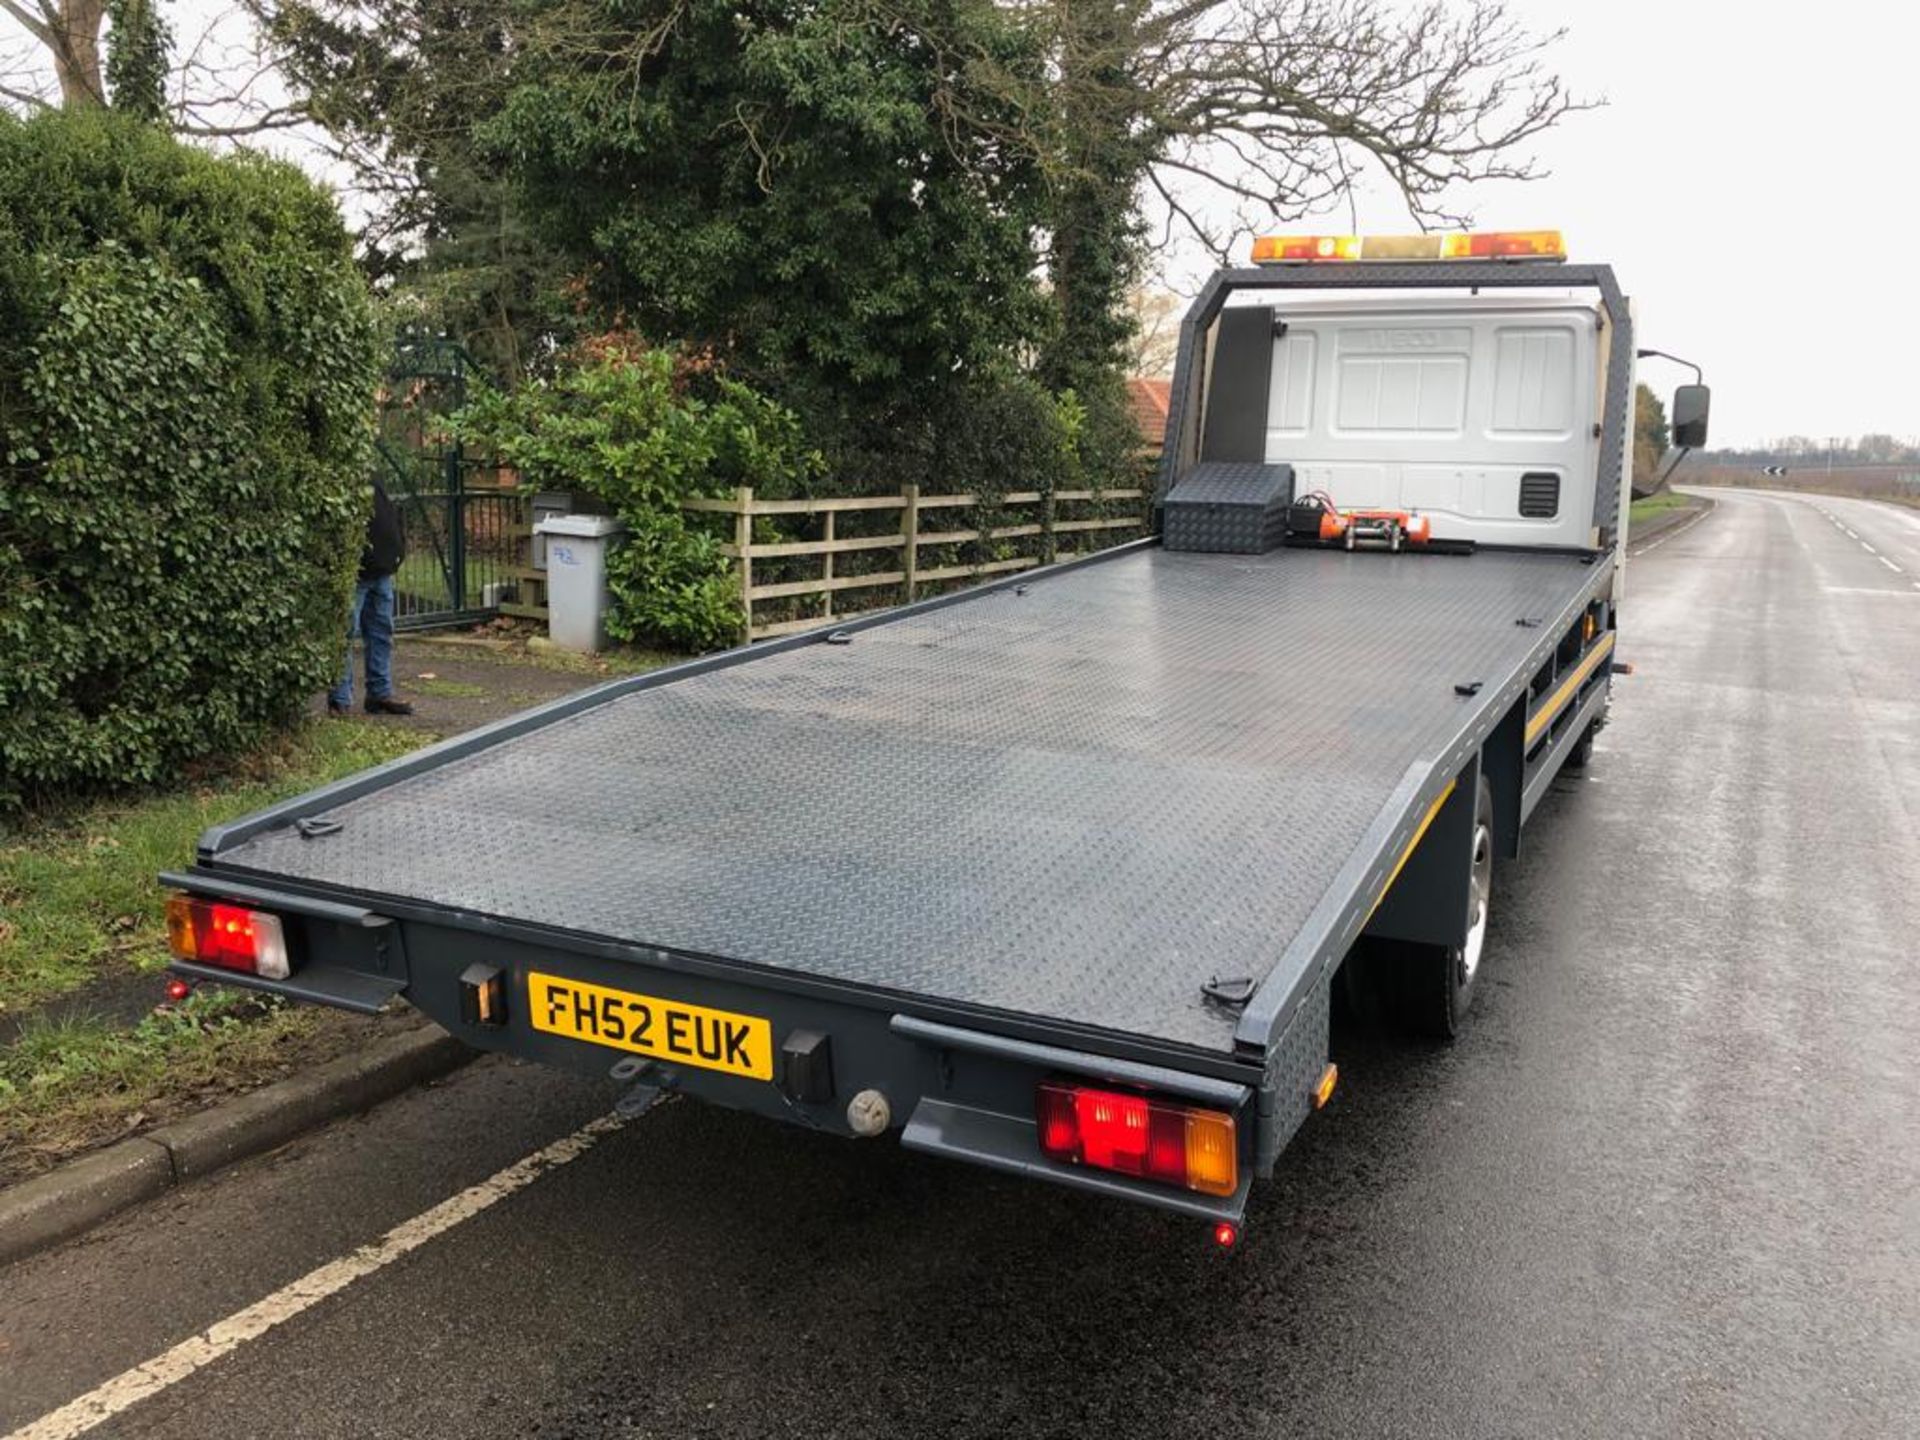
(1545, 715)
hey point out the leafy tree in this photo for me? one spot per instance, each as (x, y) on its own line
(403, 88)
(819, 189)
(187, 362)
(1651, 437)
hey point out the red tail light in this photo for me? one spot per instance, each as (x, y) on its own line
(233, 937)
(1133, 1135)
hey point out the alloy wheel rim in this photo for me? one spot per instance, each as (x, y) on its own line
(1479, 894)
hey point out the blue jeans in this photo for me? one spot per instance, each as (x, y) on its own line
(371, 620)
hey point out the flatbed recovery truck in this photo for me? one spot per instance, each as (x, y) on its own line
(1055, 875)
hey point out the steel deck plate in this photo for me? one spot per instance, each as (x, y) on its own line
(1081, 800)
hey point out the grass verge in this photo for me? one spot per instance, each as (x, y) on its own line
(1657, 505)
(73, 1082)
(83, 1056)
(76, 884)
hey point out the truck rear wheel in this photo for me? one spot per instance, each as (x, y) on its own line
(1438, 981)
(1582, 749)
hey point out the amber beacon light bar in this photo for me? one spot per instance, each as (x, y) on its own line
(1475, 245)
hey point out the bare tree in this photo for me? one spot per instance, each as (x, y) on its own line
(66, 35)
(223, 83)
(1156, 331)
(1208, 120)
(1278, 107)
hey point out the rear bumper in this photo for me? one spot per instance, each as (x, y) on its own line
(965, 1092)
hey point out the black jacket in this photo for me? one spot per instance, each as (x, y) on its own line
(386, 538)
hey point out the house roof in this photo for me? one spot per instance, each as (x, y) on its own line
(1149, 400)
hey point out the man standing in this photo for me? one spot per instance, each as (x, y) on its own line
(371, 618)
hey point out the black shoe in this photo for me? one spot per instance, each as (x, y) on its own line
(334, 707)
(388, 705)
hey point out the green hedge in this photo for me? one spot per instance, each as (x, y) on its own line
(187, 366)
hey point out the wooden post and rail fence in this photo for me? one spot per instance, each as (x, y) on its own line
(919, 528)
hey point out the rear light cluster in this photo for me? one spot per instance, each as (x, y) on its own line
(1133, 1135)
(208, 932)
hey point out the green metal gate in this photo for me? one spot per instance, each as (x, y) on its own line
(464, 536)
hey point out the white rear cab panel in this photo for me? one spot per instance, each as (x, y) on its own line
(1441, 406)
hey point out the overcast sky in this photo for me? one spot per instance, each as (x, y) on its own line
(1753, 182)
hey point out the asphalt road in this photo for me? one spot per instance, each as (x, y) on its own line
(1668, 1185)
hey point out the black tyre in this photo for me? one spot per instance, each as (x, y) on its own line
(1438, 982)
(1582, 750)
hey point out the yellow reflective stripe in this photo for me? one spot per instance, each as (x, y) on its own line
(1413, 844)
(1569, 687)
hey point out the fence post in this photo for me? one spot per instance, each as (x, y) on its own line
(910, 527)
(743, 542)
(827, 574)
(1048, 548)
(456, 529)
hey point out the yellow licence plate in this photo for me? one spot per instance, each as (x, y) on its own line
(664, 1029)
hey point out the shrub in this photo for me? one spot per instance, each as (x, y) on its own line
(1005, 433)
(644, 429)
(187, 361)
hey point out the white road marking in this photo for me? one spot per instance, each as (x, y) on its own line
(224, 1337)
(1852, 535)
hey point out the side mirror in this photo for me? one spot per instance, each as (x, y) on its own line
(1690, 403)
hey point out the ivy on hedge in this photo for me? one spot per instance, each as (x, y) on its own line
(187, 364)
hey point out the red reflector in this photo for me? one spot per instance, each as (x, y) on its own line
(1133, 1135)
(178, 990)
(1224, 1235)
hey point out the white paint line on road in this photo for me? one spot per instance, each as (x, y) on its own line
(1840, 525)
(223, 1338)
